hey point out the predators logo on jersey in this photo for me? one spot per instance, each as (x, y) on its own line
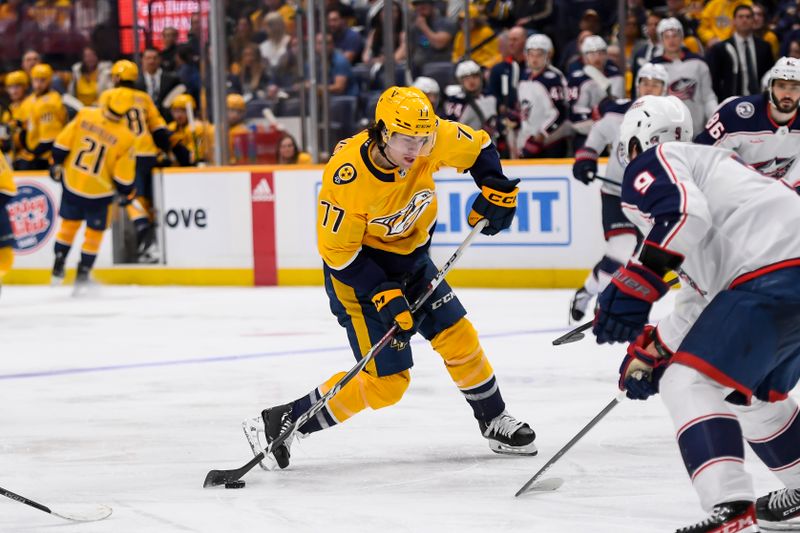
(398, 223)
(386, 209)
(101, 152)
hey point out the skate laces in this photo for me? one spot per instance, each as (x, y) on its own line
(503, 424)
(783, 498)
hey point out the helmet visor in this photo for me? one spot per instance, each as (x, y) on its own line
(411, 146)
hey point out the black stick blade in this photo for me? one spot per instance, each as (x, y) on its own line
(574, 335)
(220, 477)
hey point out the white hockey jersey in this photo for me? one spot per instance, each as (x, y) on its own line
(744, 125)
(586, 93)
(542, 107)
(690, 80)
(724, 218)
(605, 132)
(478, 113)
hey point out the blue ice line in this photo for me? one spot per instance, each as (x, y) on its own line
(227, 358)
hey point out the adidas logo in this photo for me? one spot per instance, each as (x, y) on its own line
(262, 192)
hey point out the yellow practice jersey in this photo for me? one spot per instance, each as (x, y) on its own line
(7, 185)
(361, 204)
(101, 152)
(143, 119)
(198, 140)
(43, 117)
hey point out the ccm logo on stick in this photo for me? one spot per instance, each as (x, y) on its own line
(186, 218)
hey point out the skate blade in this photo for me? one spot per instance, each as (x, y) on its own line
(790, 525)
(250, 428)
(505, 449)
(56, 281)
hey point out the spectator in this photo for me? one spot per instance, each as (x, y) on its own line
(430, 36)
(373, 48)
(89, 14)
(30, 59)
(156, 81)
(647, 50)
(590, 24)
(243, 36)
(51, 15)
(340, 75)
(677, 10)
(504, 78)
(738, 63)
(761, 29)
(169, 47)
(275, 6)
(253, 75)
(430, 87)
(12, 11)
(484, 48)
(275, 49)
(90, 77)
(288, 152)
(793, 49)
(345, 39)
(716, 20)
(187, 70)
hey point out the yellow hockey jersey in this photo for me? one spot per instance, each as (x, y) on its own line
(101, 152)
(42, 117)
(8, 118)
(198, 140)
(143, 120)
(361, 204)
(7, 185)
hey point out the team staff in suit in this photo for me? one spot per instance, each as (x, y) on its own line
(156, 81)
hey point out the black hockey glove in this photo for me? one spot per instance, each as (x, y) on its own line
(585, 167)
(393, 308)
(497, 203)
(57, 173)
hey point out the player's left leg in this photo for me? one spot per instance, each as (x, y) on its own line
(442, 321)
(712, 447)
(621, 239)
(773, 431)
(97, 218)
(6, 240)
(140, 210)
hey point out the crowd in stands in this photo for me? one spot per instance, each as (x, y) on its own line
(728, 44)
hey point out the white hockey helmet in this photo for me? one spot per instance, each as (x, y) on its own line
(786, 68)
(467, 68)
(539, 41)
(668, 24)
(593, 43)
(426, 85)
(653, 72)
(652, 120)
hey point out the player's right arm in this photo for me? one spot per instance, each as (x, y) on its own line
(341, 226)
(601, 135)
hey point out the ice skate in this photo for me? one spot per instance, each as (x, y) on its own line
(82, 282)
(507, 435)
(579, 304)
(729, 517)
(779, 510)
(270, 425)
(57, 274)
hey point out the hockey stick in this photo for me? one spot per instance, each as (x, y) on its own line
(528, 487)
(597, 75)
(577, 334)
(218, 477)
(85, 515)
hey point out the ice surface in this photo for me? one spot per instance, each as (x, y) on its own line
(127, 397)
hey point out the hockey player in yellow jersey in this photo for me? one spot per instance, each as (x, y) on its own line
(152, 134)
(375, 215)
(42, 115)
(195, 135)
(236, 107)
(8, 190)
(10, 124)
(94, 158)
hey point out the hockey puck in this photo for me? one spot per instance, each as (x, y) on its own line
(239, 484)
